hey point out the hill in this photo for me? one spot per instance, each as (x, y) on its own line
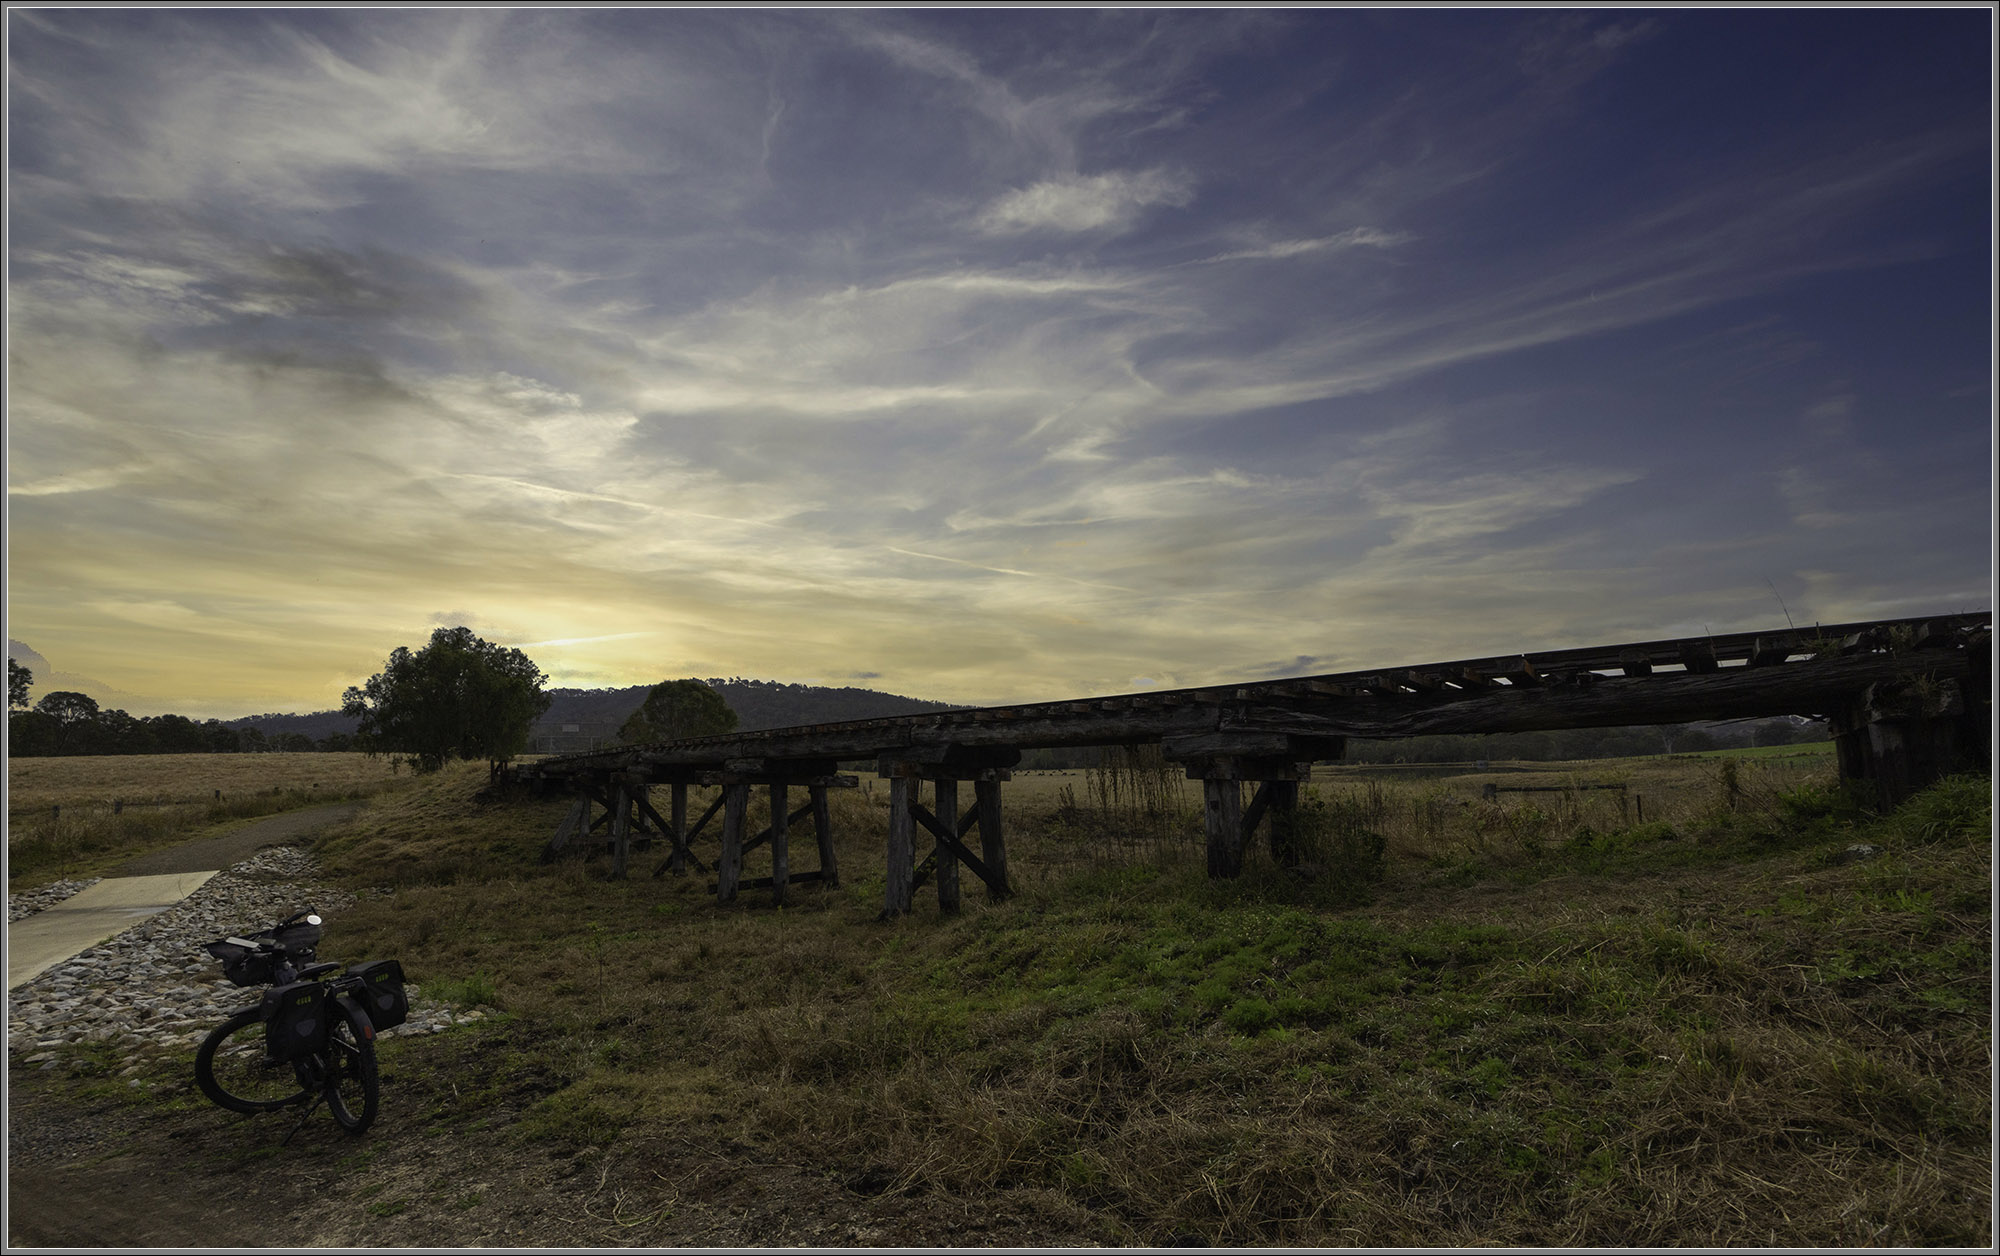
(581, 719)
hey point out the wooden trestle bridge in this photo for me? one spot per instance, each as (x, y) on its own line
(1907, 700)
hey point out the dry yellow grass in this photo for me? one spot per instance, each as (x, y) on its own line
(116, 806)
(78, 780)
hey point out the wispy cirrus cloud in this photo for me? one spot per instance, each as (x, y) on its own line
(993, 355)
(1084, 202)
(1279, 250)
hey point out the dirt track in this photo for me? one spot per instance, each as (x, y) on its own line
(234, 847)
(93, 1171)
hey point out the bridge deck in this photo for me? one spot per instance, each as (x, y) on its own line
(1727, 677)
(1906, 698)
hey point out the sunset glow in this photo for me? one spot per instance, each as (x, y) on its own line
(983, 356)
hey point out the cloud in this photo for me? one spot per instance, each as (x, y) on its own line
(1084, 202)
(1357, 237)
(800, 344)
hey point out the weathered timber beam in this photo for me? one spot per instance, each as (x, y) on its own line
(1814, 687)
(1089, 728)
(771, 883)
(1769, 651)
(966, 857)
(765, 836)
(1254, 745)
(956, 754)
(1253, 815)
(767, 770)
(707, 817)
(572, 821)
(922, 815)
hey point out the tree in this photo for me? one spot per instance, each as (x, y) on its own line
(457, 698)
(73, 713)
(19, 679)
(676, 709)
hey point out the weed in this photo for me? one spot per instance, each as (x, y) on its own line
(476, 990)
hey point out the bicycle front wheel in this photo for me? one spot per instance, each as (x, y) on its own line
(353, 1084)
(231, 1070)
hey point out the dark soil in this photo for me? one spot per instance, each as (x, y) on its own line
(88, 1170)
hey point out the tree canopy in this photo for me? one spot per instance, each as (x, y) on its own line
(457, 698)
(19, 679)
(676, 709)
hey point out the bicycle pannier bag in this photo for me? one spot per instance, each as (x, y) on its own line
(296, 1019)
(382, 992)
(243, 966)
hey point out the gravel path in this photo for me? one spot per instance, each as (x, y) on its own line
(154, 984)
(236, 846)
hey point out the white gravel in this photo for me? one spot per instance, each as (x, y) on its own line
(29, 902)
(154, 984)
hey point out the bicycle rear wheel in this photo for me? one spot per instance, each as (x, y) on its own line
(353, 1083)
(231, 1070)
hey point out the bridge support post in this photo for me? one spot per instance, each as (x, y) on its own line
(735, 803)
(902, 886)
(944, 804)
(575, 824)
(1898, 738)
(781, 858)
(677, 829)
(829, 870)
(1222, 816)
(945, 766)
(1222, 762)
(992, 842)
(778, 776)
(621, 823)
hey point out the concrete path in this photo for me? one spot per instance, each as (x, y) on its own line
(81, 921)
(147, 886)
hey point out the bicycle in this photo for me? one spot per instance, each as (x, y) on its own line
(310, 1039)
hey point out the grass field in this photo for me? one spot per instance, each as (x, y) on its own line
(76, 815)
(1518, 1021)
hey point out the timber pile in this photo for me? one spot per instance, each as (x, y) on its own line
(1907, 700)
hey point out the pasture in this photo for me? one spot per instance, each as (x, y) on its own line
(75, 815)
(1524, 1019)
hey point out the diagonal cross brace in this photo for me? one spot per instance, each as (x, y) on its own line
(765, 836)
(948, 840)
(686, 841)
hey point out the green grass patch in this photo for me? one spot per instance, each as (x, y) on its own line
(1501, 1025)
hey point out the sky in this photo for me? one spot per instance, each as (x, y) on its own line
(983, 356)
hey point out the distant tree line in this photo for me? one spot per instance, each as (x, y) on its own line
(458, 697)
(67, 723)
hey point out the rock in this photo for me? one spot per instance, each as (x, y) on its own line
(155, 982)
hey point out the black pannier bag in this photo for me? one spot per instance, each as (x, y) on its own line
(299, 937)
(382, 992)
(296, 1019)
(243, 966)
